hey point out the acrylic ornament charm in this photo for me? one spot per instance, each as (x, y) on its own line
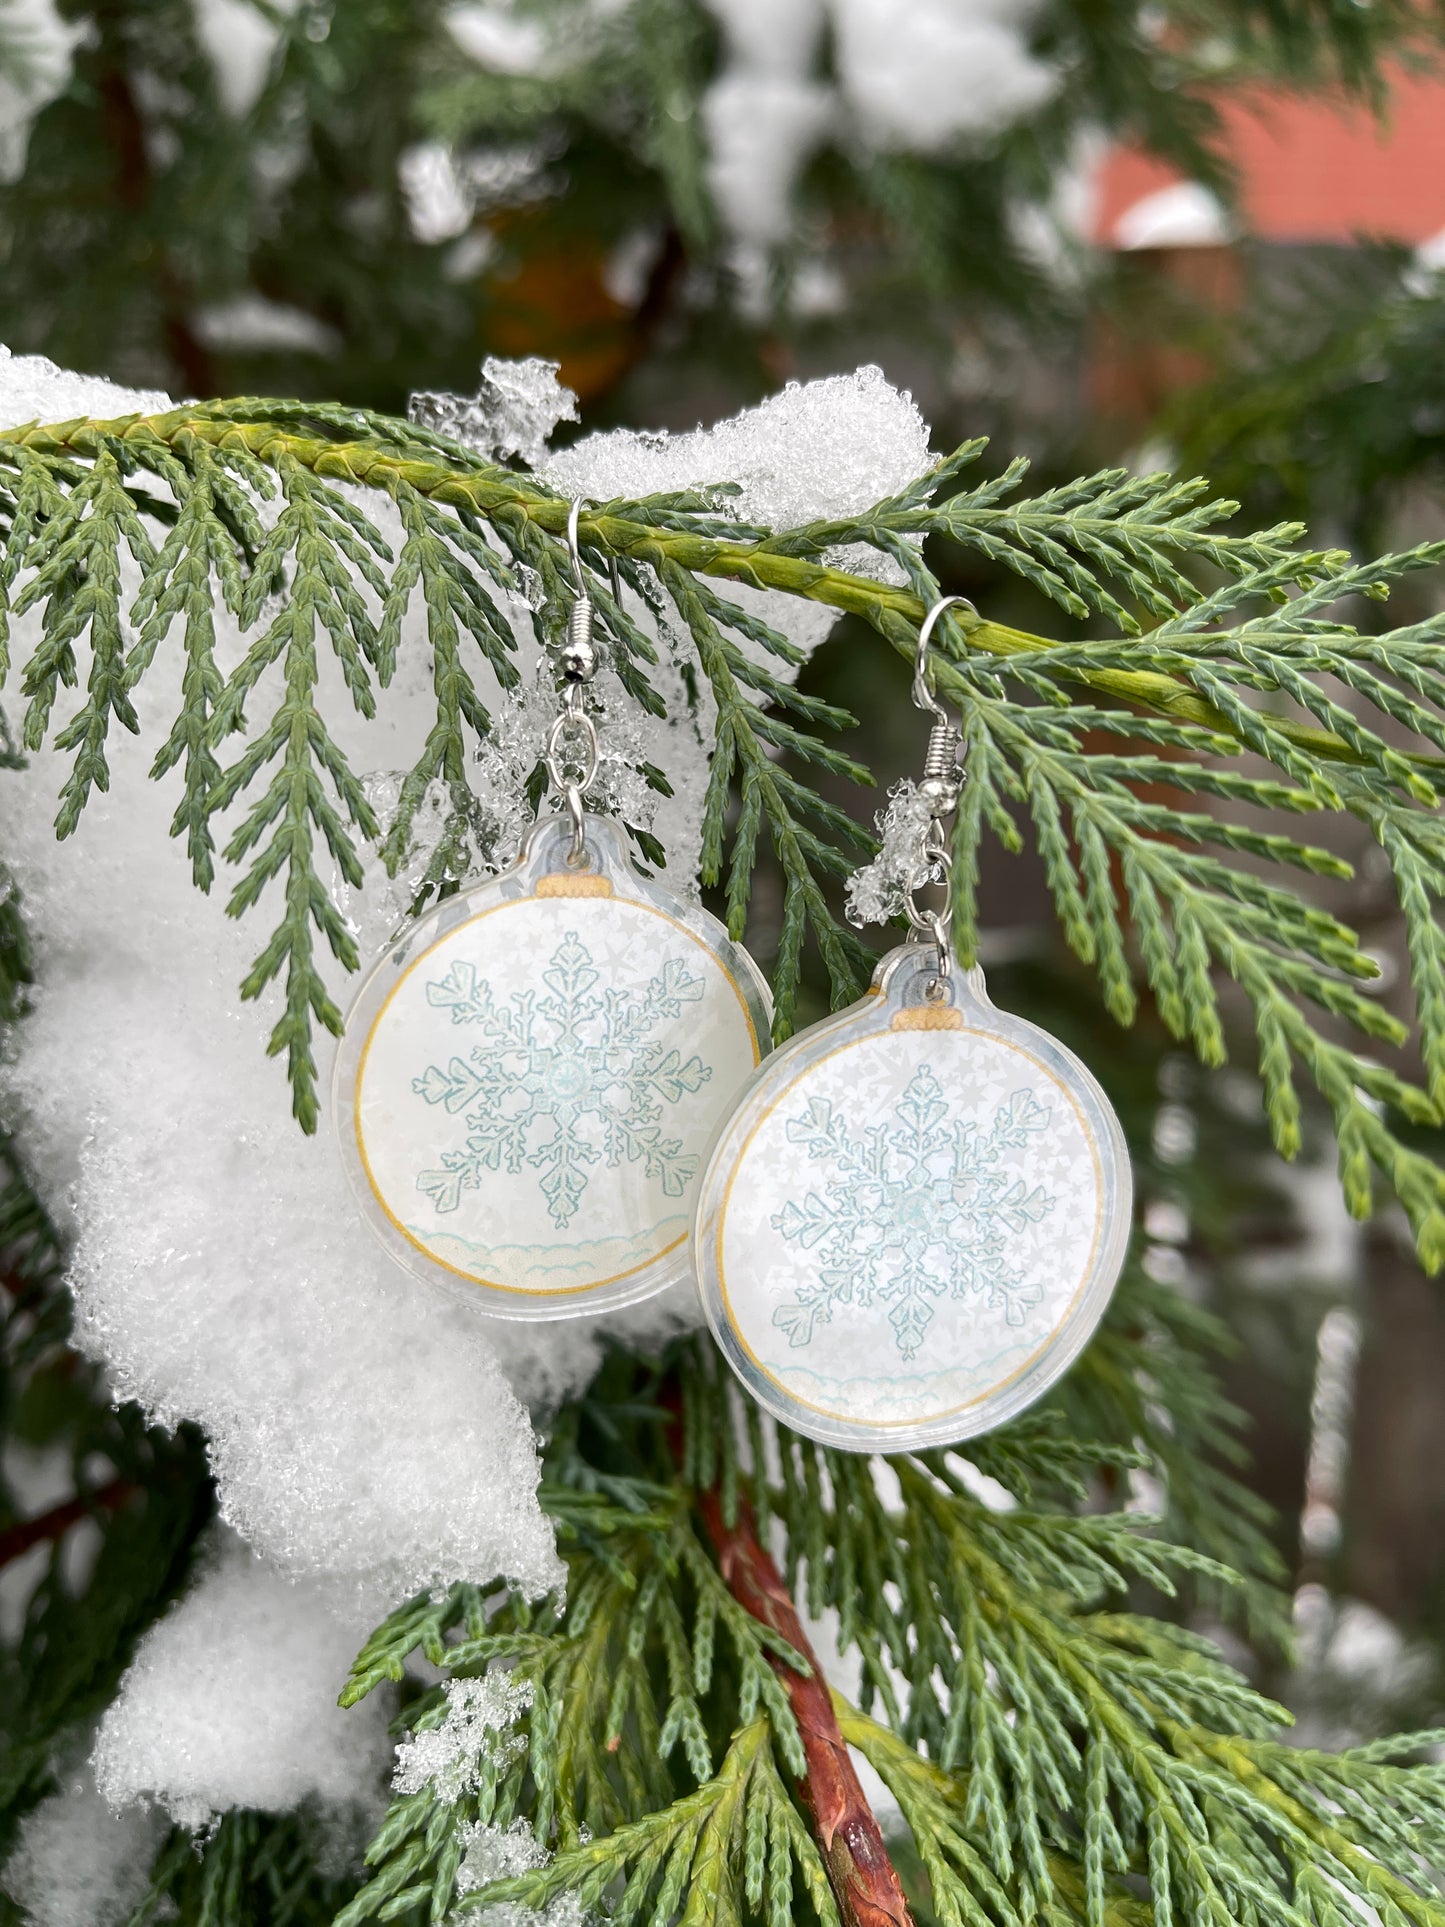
(914, 1218)
(530, 1078)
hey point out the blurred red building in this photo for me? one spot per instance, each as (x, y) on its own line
(1311, 173)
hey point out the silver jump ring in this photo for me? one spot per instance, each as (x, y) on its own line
(923, 696)
(577, 816)
(932, 926)
(570, 730)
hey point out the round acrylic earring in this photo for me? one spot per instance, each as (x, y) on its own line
(915, 1215)
(530, 1076)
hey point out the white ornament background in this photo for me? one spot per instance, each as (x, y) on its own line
(851, 1368)
(502, 1231)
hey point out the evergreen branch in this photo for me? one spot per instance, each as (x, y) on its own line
(681, 1863)
(76, 560)
(314, 525)
(497, 494)
(435, 553)
(617, 1682)
(1193, 912)
(1052, 1751)
(420, 1626)
(251, 1866)
(1145, 1377)
(1181, 895)
(965, 1890)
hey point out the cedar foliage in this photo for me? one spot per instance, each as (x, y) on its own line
(1060, 1748)
(1058, 1745)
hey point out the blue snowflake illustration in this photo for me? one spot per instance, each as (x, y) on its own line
(918, 1210)
(563, 1080)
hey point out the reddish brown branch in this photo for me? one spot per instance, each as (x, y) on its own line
(54, 1524)
(862, 1876)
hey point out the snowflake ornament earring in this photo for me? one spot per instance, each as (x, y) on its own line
(913, 1219)
(530, 1076)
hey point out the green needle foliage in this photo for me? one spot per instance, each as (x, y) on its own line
(1055, 1753)
(1225, 670)
(251, 1867)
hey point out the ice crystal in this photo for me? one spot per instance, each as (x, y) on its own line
(628, 741)
(474, 1738)
(514, 411)
(916, 1211)
(495, 1853)
(581, 1061)
(880, 890)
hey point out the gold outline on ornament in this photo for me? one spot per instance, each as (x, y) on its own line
(934, 1418)
(514, 903)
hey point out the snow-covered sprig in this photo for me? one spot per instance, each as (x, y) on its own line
(1214, 675)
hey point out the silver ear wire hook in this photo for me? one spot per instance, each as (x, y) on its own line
(923, 696)
(574, 550)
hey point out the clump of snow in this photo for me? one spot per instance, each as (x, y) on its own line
(438, 205)
(500, 40)
(33, 389)
(38, 48)
(77, 1862)
(814, 451)
(445, 190)
(763, 115)
(515, 410)
(358, 1425)
(252, 322)
(231, 1702)
(761, 129)
(240, 39)
(474, 1737)
(923, 74)
(1184, 215)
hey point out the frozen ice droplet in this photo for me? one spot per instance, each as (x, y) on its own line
(514, 411)
(880, 890)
